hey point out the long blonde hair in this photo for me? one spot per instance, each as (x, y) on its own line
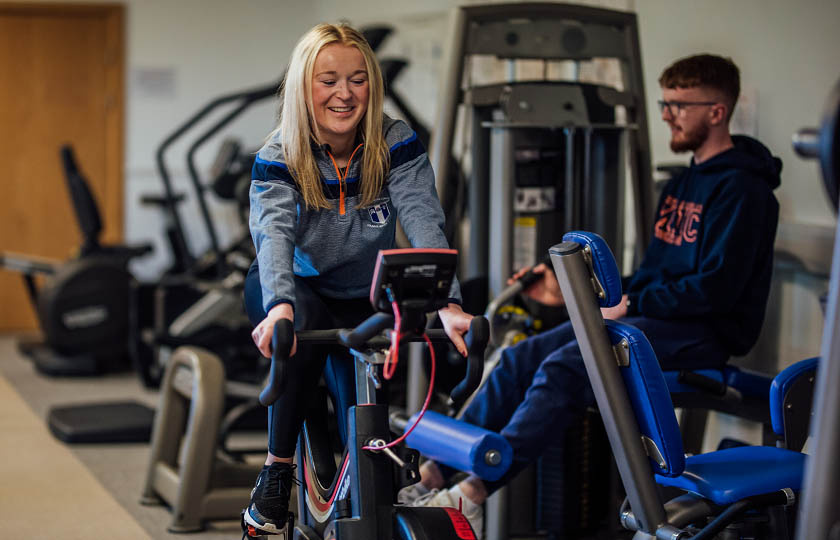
(297, 116)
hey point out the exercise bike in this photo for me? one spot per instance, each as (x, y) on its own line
(355, 498)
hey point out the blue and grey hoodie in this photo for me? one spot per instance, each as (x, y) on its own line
(711, 257)
(336, 249)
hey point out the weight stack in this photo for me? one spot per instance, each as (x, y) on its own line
(575, 482)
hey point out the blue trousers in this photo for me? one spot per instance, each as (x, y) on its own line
(312, 312)
(540, 385)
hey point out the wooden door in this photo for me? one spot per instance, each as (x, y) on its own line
(61, 81)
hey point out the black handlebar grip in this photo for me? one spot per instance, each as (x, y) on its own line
(281, 346)
(476, 340)
(529, 277)
(701, 382)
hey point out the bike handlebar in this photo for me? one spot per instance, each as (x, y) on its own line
(370, 334)
(476, 340)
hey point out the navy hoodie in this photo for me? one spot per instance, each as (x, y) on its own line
(711, 257)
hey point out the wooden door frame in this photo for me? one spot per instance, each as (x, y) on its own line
(111, 201)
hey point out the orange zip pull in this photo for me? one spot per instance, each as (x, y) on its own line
(342, 180)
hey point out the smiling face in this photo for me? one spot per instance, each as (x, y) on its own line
(690, 125)
(340, 92)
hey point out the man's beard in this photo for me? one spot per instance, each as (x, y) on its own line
(691, 140)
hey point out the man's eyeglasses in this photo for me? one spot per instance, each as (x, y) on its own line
(676, 107)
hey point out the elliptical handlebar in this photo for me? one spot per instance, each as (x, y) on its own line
(170, 197)
(370, 333)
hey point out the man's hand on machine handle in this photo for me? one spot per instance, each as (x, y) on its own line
(264, 331)
(456, 323)
(540, 284)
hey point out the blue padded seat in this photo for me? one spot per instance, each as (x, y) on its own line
(726, 476)
(781, 384)
(603, 264)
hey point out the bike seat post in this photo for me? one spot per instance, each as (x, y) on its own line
(367, 380)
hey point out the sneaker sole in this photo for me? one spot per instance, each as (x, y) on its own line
(268, 528)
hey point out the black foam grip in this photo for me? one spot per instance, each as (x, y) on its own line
(701, 382)
(529, 277)
(476, 340)
(281, 346)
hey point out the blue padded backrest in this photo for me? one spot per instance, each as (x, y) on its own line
(780, 386)
(650, 399)
(603, 264)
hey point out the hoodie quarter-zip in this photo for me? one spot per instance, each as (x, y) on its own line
(342, 178)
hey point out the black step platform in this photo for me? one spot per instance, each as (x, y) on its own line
(116, 422)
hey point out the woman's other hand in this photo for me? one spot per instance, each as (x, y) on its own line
(456, 323)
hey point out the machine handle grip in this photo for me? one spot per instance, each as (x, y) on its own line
(701, 382)
(281, 346)
(529, 277)
(476, 340)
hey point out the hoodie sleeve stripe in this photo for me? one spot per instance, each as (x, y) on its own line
(272, 171)
(406, 151)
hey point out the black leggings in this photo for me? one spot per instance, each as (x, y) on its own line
(312, 312)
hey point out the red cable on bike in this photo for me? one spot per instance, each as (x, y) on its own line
(390, 368)
(402, 437)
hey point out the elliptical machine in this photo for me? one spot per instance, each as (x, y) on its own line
(84, 304)
(355, 498)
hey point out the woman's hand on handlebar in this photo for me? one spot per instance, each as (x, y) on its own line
(545, 290)
(456, 323)
(264, 331)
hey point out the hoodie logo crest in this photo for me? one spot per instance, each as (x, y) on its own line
(379, 214)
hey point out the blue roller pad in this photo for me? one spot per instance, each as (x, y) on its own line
(603, 264)
(780, 386)
(459, 445)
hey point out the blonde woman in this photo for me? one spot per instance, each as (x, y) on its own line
(326, 191)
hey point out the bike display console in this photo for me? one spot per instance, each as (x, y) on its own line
(417, 279)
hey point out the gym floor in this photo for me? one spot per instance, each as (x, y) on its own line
(52, 490)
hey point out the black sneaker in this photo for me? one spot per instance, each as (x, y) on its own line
(268, 511)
